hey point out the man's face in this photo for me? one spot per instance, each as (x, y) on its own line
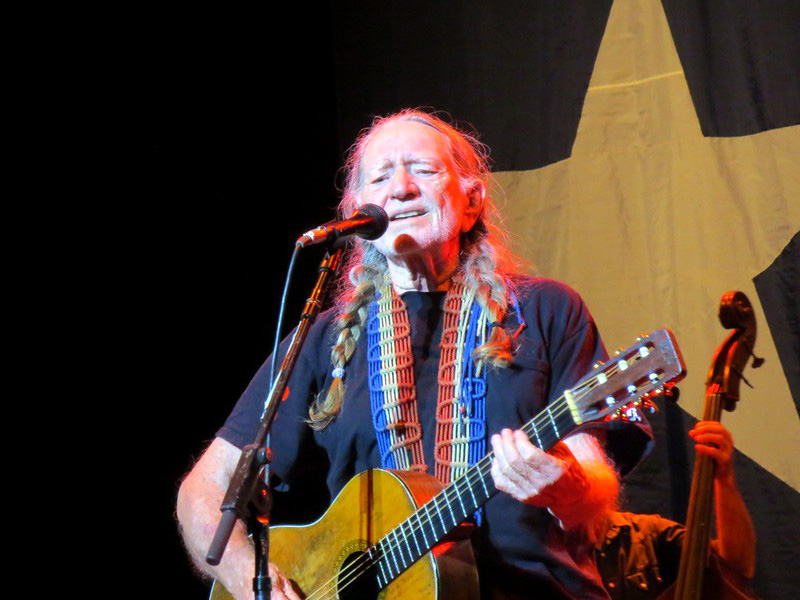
(407, 170)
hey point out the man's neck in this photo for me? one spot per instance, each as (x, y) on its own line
(422, 273)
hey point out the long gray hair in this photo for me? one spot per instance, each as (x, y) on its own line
(486, 261)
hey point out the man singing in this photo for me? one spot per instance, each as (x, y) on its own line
(435, 352)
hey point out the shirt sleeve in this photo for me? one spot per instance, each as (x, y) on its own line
(295, 454)
(573, 345)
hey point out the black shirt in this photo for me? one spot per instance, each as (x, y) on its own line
(521, 549)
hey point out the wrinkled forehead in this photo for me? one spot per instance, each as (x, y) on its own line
(404, 140)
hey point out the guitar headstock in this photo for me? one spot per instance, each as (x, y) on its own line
(629, 377)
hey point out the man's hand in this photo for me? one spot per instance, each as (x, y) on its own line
(522, 470)
(281, 586)
(573, 481)
(713, 440)
(282, 589)
(199, 499)
(736, 536)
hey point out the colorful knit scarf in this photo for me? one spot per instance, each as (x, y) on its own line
(461, 402)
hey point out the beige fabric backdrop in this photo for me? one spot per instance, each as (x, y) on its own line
(652, 223)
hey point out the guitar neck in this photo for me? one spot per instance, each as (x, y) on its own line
(415, 536)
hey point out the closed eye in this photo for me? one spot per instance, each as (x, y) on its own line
(425, 170)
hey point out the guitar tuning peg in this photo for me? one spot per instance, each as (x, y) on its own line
(671, 391)
(649, 406)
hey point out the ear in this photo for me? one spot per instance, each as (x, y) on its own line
(476, 198)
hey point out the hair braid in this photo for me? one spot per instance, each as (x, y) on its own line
(491, 292)
(350, 323)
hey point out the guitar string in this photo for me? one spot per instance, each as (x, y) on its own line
(368, 560)
(450, 493)
(406, 529)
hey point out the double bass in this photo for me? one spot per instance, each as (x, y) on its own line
(701, 575)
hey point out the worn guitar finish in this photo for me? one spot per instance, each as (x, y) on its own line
(370, 541)
(328, 556)
(695, 579)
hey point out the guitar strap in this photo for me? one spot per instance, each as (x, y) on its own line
(392, 389)
(461, 401)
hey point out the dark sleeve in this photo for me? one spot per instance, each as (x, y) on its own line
(559, 334)
(668, 547)
(573, 346)
(298, 464)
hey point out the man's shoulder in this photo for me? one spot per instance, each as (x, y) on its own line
(530, 286)
(325, 322)
(544, 296)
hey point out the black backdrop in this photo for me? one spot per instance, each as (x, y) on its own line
(229, 153)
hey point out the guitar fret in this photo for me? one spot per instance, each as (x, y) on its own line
(439, 512)
(382, 564)
(422, 528)
(452, 514)
(394, 558)
(472, 493)
(383, 561)
(440, 519)
(402, 544)
(397, 554)
(553, 421)
(550, 440)
(566, 421)
(460, 500)
(406, 534)
(483, 483)
(414, 536)
(381, 577)
(430, 520)
(420, 547)
(536, 433)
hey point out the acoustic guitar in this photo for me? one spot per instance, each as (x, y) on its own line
(395, 534)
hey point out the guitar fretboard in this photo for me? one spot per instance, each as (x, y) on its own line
(415, 536)
(642, 368)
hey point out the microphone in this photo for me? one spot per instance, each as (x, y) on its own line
(368, 222)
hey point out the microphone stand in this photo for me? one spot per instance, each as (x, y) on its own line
(247, 497)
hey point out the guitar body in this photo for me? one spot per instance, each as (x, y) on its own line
(314, 557)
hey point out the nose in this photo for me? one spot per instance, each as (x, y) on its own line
(403, 185)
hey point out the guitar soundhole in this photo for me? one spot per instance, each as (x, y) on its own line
(356, 578)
